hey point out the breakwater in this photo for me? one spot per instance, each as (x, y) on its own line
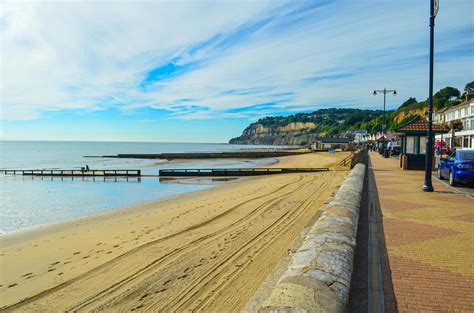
(202, 155)
(237, 171)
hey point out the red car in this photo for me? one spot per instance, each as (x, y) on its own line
(441, 145)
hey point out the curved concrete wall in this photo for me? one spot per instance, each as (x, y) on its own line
(319, 273)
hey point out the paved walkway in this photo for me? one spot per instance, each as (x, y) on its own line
(426, 242)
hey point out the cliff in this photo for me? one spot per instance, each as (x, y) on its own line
(303, 128)
(291, 134)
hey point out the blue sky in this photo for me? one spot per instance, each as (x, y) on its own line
(200, 71)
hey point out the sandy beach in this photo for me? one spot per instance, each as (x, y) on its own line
(208, 250)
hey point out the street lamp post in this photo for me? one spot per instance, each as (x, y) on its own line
(427, 185)
(384, 91)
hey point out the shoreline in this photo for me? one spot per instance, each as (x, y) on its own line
(208, 236)
(9, 238)
(269, 162)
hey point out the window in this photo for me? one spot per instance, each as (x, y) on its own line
(465, 141)
(423, 145)
(466, 155)
(457, 142)
(410, 145)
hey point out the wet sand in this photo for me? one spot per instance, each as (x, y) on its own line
(208, 250)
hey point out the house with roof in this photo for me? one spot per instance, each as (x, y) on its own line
(332, 143)
(464, 112)
(413, 137)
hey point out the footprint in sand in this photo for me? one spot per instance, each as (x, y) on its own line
(144, 297)
(75, 253)
(59, 274)
(27, 274)
(57, 262)
(51, 269)
(12, 285)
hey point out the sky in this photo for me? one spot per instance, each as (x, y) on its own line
(201, 71)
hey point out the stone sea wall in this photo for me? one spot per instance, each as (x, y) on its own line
(318, 276)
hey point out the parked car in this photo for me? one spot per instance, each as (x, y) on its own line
(458, 167)
(440, 147)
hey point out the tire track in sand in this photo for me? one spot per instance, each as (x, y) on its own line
(190, 300)
(175, 254)
(105, 266)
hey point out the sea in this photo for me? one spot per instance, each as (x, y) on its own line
(27, 201)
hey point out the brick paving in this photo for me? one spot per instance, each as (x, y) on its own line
(428, 240)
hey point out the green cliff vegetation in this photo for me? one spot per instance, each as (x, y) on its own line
(301, 128)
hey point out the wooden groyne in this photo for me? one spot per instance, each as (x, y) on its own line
(74, 173)
(236, 171)
(202, 155)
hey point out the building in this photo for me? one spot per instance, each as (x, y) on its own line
(414, 136)
(332, 143)
(463, 112)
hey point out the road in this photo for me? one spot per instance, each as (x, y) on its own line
(464, 189)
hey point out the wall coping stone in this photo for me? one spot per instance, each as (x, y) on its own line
(319, 274)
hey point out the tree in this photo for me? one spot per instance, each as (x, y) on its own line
(410, 101)
(456, 125)
(469, 86)
(447, 93)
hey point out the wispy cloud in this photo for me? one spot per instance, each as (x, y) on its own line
(203, 60)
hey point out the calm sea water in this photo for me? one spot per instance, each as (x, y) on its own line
(27, 201)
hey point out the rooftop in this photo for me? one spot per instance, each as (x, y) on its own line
(420, 124)
(334, 140)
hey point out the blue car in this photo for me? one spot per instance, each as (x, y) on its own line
(458, 167)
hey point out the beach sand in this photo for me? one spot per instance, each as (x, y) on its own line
(208, 250)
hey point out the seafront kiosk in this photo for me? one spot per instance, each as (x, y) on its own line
(381, 143)
(413, 134)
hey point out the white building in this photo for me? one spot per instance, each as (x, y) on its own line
(463, 112)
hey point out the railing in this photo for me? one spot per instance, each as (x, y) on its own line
(357, 156)
(347, 160)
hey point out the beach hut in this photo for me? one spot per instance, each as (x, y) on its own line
(381, 142)
(414, 135)
(333, 143)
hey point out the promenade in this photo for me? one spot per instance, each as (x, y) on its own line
(426, 242)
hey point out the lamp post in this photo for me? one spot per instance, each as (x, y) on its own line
(384, 91)
(427, 185)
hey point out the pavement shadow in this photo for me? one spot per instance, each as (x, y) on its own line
(361, 286)
(390, 302)
(358, 294)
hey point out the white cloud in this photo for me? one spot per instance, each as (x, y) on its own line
(93, 55)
